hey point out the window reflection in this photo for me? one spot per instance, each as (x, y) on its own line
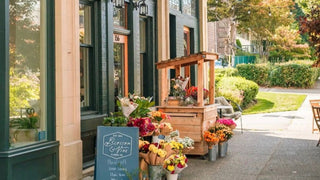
(119, 17)
(174, 4)
(118, 50)
(189, 7)
(27, 73)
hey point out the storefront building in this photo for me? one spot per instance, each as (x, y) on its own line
(62, 65)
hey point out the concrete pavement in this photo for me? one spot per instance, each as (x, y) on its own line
(273, 146)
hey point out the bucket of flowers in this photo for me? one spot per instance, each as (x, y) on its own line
(212, 140)
(224, 133)
(174, 164)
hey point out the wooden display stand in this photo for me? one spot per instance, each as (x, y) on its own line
(191, 121)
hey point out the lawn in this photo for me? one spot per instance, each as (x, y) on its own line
(275, 102)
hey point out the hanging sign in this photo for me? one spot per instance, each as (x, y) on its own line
(117, 153)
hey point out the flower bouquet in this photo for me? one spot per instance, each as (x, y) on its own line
(175, 163)
(193, 92)
(223, 132)
(127, 106)
(158, 116)
(177, 86)
(146, 128)
(228, 122)
(188, 144)
(211, 138)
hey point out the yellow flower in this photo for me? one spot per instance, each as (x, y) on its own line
(162, 153)
(170, 168)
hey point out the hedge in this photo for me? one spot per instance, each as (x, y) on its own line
(293, 75)
(237, 89)
(287, 75)
(256, 73)
(225, 72)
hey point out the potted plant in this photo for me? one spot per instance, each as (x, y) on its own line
(25, 129)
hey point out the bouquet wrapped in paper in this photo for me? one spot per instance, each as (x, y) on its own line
(175, 163)
(188, 144)
(127, 106)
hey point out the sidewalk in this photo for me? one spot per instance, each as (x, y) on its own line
(273, 146)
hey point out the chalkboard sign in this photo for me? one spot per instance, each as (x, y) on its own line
(117, 153)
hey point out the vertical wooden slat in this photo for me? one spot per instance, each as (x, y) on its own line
(211, 83)
(178, 70)
(164, 87)
(200, 82)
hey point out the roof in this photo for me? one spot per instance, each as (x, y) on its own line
(188, 60)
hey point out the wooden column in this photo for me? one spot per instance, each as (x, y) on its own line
(200, 82)
(164, 88)
(211, 83)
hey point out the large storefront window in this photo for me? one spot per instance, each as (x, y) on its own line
(27, 72)
(189, 7)
(86, 51)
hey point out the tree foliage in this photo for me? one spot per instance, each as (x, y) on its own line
(310, 24)
(259, 17)
(285, 45)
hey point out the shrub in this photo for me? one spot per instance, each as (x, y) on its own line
(293, 75)
(256, 73)
(225, 72)
(300, 74)
(237, 89)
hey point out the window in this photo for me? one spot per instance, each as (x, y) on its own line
(174, 4)
(27, 72)
(86, 55)
(189, 7)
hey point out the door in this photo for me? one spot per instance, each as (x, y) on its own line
(120, 52)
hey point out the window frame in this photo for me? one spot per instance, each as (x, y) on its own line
(4, 78)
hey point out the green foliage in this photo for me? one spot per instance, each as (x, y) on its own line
(25, 122)
(225, 72)
(24, 87)
(238, 43)
(245, 90)
(115, 121)
(293, 75)
(256, 73)
(288, 74)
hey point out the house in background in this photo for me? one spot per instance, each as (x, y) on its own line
(64, 62)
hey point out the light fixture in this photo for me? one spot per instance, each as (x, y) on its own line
(143, 7)
(118, 3)
(141, 4)
(249, 12)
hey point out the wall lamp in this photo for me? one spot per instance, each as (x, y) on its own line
(141, 4)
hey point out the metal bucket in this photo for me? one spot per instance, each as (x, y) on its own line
(223, 149)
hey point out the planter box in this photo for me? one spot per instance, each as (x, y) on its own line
(23, 135)
(192, 121)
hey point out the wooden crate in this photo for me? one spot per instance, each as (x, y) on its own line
(192, 122)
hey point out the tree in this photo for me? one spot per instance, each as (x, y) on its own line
(259, 17)
(310, 24)
(285, 45)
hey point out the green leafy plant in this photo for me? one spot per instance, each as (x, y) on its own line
(115, 121)
(29, 122)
